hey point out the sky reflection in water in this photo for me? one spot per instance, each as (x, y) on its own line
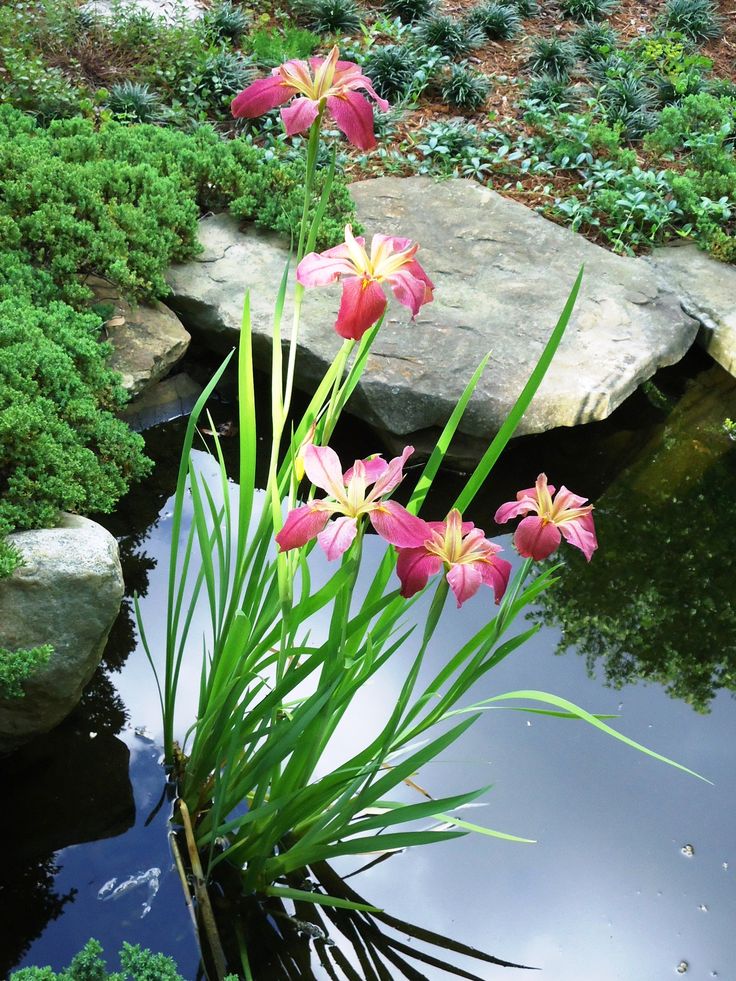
(606, 894)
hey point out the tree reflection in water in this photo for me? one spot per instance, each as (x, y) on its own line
(658, 602)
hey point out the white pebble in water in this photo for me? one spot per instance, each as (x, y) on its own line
(688, 851)
(682, 967)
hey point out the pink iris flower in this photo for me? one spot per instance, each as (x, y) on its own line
(320, 81)
(349, 499)
(461, 548)
(363, 301)
(540, 534)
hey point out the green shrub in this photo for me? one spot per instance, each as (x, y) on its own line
(329, 16)
(497, 21)
(61, 446)
(551, 56)
(549, 90)
(410, 10)
(123, 201)
(594, 41)
(17, 666)
(28, 83)
(134, 102)
(525, 8)
(88, 965)
(391, 68)
(588, 9)
(226, 22)
(451, 36)
(465, 89)
(696, 19)
(273, 47)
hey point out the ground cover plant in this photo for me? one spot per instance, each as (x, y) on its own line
(254, 802)
(617, 66)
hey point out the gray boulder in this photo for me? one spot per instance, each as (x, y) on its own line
(502, 274)
(707, 291)
(67, 595)
(147, 338)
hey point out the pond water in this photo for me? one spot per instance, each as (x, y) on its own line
(633, 874)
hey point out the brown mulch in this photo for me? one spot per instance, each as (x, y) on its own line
(505, 62)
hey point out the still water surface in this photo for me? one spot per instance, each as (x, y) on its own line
(633, 874)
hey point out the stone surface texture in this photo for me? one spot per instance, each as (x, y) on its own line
(503, 274)
(67, 594)
(147, 339)
(707, 291)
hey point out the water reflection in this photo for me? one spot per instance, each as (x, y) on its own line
(607, 894)
(657, 604)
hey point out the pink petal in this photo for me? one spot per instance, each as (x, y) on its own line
(318, 269)
(322, 466)
(513, 509)
(393, 474)
(300, 115)
(566, 499)
(408, 290)
(373, 470)
(348, 75)
(302, 525)
(354, 116)
(338, 536)
(260, 96)
(580, 532)
(394, 523)
(414, 566)
(360, 307)
(390, 244)
(496, 575)
(465, 580)
(536, 539)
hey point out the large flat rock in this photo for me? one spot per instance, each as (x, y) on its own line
(502, 274)
(707, 290)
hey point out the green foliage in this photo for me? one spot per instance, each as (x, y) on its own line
(465, 89)
(551, 56)
(134, 102)
(271, 47)
(410, 10)
(226, 22)
(629, 101)
(594, 41)
(392, 69)
(10, 558)
(88, 965)
(17, 666)
(28, 83)
(587, 10)
(550, 90)
(696, 19)
(61, 446)
(123, 201)
(497, 21)
(525, 8)
(450, 35)
(220, 77)
(329, 16)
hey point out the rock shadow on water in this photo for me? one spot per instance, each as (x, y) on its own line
(69, 786)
